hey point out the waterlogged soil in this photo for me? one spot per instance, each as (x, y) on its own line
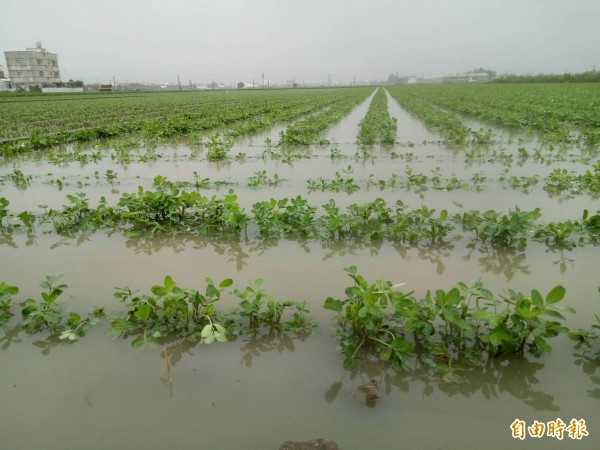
(101, 393)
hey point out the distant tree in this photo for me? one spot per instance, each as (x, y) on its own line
(74, 83)
(491, 73)
(240, 85)
(584, 77)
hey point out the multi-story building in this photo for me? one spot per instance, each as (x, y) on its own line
(32, 67)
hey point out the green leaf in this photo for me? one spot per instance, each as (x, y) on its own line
(481, 314)
(362, 312)
(74, 318)
(143, 312)
(212, 291)
(226, 283)
(552, 313)
(497, 337)
(386, 354)
(333, 305)
(138, 341)
(537, 299)
(401, 345)
(169, 283)
(555, 295)
(159, 291)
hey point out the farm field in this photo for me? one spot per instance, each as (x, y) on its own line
(475, 206)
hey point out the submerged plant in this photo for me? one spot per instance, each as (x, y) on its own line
(172, 311)
(449, 330)
(45, 314)
(6, 294)
(218, 147)
(365, 320)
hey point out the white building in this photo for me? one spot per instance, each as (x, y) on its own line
(32, 67)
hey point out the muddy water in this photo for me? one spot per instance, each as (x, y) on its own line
(99, 393)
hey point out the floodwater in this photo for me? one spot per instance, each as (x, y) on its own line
(100, 393)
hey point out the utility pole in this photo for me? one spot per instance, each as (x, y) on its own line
(263, 78)
(178, 82)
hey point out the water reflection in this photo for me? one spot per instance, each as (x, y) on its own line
(508, 261)
(179, 243)
(434, 253)
(589, 360)
(11, 335)
(273, 340)
(6, 238)
(79, 238)
(562, 262)
(239, 250)
(349, 247)
(514, 375)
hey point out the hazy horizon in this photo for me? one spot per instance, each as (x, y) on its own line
(239, 40)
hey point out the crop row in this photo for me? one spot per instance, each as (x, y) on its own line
(309, 130)
(559, 182)
(377, 127)
(451, 128)
(74, 111)
(176, 211)
(447, 330)
(559, 112)
(255, 112)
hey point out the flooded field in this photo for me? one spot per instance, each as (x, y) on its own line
(257, 392)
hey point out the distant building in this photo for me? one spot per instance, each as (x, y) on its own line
(105, 87)
(469, 77)
(4, 82)
(32, 67)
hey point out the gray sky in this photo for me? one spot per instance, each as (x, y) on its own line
(232, 40)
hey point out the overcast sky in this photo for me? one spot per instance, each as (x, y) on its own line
(238, 40)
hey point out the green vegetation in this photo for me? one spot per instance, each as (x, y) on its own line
(173, 211)
(451, 330)
(309, 130)
(560, 113)
(585, 77)
(37, 122)
(377, 127)
(168, 312)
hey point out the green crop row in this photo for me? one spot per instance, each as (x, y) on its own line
(174, 211)
(153, 119)
(450, 127)
(308, 131)
(558, 112)
(377, 127)
(448, 331)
